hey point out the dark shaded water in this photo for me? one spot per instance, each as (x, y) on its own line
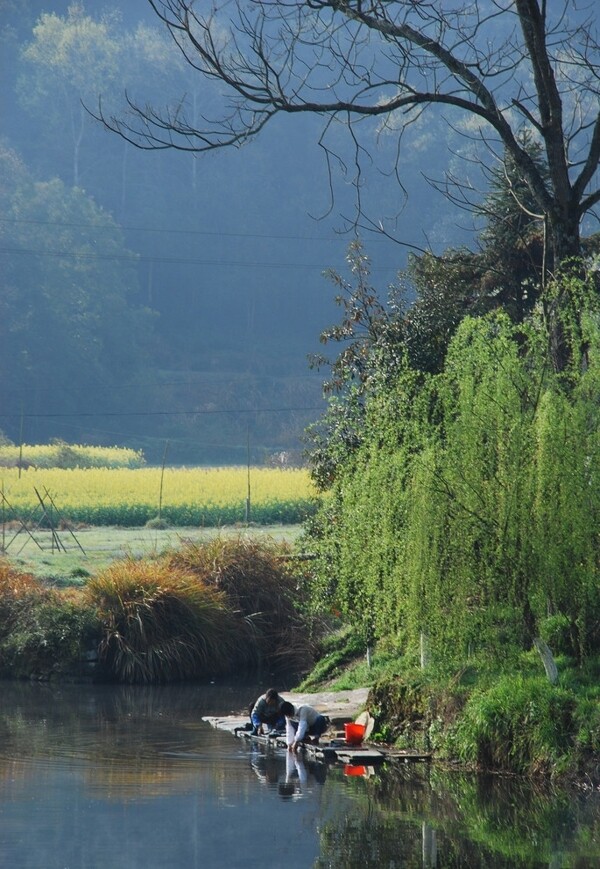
(123, 777)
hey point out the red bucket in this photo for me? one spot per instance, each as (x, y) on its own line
(350, 769)
(354, 733)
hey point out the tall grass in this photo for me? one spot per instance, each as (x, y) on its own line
(160, 623)
(264, 586)
(522, 725)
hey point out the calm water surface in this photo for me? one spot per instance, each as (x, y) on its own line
(124, 778)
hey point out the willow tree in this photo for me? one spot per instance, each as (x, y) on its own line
(505, 65)
(470, 510)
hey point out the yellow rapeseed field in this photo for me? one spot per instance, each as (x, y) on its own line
(185, 496)
(63, 455)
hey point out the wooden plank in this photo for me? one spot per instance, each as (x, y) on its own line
(332, 750)
(366, 757)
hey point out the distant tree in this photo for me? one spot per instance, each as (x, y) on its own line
(69, 317)
(68, 59)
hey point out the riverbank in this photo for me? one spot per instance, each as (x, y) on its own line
(481, 718)
(234, 604)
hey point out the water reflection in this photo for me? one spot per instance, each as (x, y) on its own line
(292, 775)
(92, 776)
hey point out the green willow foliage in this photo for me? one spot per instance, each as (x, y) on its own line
(470, 512)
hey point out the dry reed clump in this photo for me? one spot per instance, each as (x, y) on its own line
(160, 623)
(263, 588)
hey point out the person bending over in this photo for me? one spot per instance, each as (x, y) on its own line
(303, 724)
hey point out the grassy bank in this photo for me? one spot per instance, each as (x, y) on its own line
(508, 720)
(215, 607)
(167, 604)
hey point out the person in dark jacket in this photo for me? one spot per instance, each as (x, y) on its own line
(266, 712)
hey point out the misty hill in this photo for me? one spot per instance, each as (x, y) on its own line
(154, 296)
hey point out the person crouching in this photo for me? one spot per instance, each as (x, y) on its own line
(266, 712)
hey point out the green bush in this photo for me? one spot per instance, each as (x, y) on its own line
(557, 632)
(43, 631)
(520, 725)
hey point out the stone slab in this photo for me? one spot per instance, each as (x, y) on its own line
(340, 706)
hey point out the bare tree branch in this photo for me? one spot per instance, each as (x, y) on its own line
(509, 65)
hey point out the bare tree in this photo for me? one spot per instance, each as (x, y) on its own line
(506, 65)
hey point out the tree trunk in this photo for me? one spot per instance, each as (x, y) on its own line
(564, 245)
(547, 660)
(565, 237)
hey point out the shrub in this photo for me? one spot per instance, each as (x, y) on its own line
(17, 592)
(158, 523)
(42, 631)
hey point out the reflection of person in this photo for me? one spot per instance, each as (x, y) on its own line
(296, 777)
(294, 766)
(267, 767)
(267, 711)
(303, 724)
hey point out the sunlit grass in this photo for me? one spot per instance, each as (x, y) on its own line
(92, 549)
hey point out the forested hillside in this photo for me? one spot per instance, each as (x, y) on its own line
(164, 296)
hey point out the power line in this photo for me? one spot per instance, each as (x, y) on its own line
(205, 379)
(92, 414)
(135, 259)
(170, 231)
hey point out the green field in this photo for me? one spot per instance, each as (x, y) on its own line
(67, 558)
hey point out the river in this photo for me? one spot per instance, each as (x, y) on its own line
(132, 778)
